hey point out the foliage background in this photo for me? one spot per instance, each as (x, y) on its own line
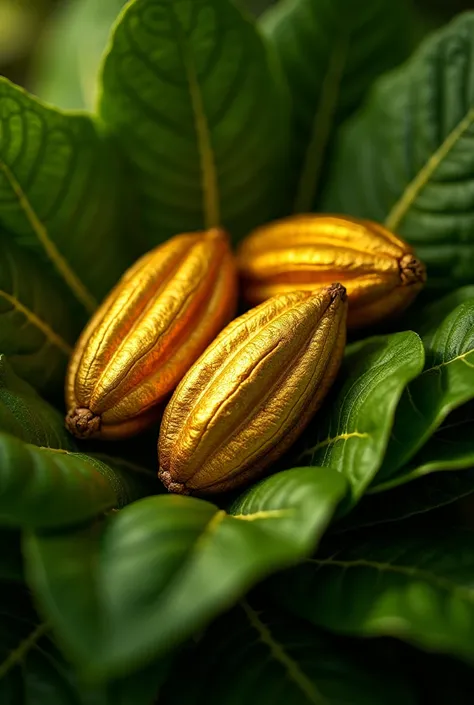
(407, 551)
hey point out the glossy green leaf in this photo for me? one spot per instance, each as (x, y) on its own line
(446, 383)
(60, 193)
(34, 672)
(407, 159)
(415, 587)
(166, 565)
(42, 487)
(196, 76)
(427, 318)
(266, 657)
(35, 322)
(331, 52)
(66, 65)
(24, 414)
(351, 433)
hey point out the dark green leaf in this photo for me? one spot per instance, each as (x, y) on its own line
(446, 383)
(165, 566)
(67, 63)
(407, 159)
(427, 319)
(415, 587)
(11, 561)
(450, 448)
(424, 495)
(211, 110)
(33, 671)
(352, 431)
(331, 52)
(60, 193)
(24, 414)
(269, 658)
(42, 487)
(35, 322)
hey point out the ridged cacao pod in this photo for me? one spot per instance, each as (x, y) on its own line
(380, 271)
(252, 392)
(148, 332)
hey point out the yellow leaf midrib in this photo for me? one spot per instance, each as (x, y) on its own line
(53, 337)
(210, 189)
(59, 262)
(292, 668)
(422, 178)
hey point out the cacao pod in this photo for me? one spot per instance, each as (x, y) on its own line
(252, 392)
(148, 332)
(380, 271)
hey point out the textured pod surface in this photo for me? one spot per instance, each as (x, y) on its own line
(148, 332)
(379, 270)
(252, 392)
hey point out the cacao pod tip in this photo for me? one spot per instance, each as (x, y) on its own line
(176, 487)
(412, 270)
(83, 423)
(338, 291)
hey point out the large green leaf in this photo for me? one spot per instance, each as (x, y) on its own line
(415, 587)
(351, 433)
(42, 487)
(192, 94)
(60, 193)
(35, 322)
(24, 414)
(446, 383)
(34, 672)
(407, 159)
(265, 657)
(331, 52)
(450, 448)
(67, 62)
(166, 565)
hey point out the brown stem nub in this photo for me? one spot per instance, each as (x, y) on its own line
(412, 271)
(337, 290)
(83, 423)
(170, 484)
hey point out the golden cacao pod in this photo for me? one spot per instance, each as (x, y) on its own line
(380, 272)
(148, 332)
(252, 392)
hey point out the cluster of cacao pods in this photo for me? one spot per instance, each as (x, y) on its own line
(233, 399)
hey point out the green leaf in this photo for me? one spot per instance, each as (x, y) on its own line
(426, 494)
(166, 565)
(352, 432)
(407, 158)
(11, 561)
(35, 322)
(427, 319)
(34, 672)
(60, 193)
(450, 448)
(331, 52)
(414, 587)
(24, 414)
(197, 79)
(67, 62)
(42, 487)
(446, 383)
(266, 657)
